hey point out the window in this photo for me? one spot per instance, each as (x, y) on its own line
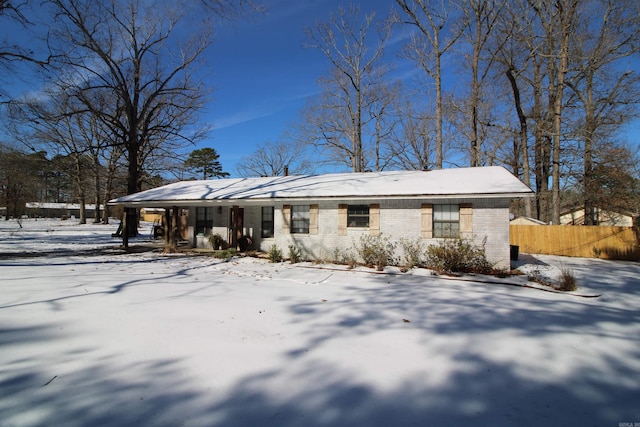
(358, 216)
(204, 220)
(267, 221)
(300, 219)
(446, 221)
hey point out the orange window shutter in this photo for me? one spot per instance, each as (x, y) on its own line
(313, 219)
(342, 220)
(426, 217)
(466, 220)
(374, 219)
(286, 219)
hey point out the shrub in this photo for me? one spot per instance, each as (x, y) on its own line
(225, 254)
(350, 259)
(376, 251)
(567, 280)
(345, 257)
(413, 253)
(294, 254)
(457, 255)
(274, 254)
(337, 256)
(216, 241)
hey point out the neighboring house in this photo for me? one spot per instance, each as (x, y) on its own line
(319, 214)
(151, 214)
(602, 217)
(59, 210)
(525, 220)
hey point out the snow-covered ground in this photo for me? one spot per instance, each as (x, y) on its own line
(91, 335)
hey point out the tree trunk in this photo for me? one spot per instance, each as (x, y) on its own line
(133, 178)
(83, 209)
(542, 150)
(170, 230)
(96, 185)
(566, 10)
(438, 79)
(475, 97)
(521, 147)
(589, 131)
(124, 228)
(77, 178)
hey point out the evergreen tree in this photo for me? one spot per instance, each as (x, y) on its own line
(204, 162)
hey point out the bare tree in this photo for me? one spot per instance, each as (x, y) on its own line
(530, 55)
(352, 102)
(275, 159)
(412, 141)
(53, 123)
(558, 19)
(14, 49)
(134, 52)
(437, 32)
(481, 18)
(604, 88)
(20, 175)
(512, 47)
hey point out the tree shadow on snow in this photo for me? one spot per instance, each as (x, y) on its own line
(308, 389)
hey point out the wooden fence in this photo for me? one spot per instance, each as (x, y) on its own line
(621, 243)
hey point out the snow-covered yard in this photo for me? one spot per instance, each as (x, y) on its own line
(101, 337)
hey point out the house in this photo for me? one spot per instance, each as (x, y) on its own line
(525, 220)
(319, 214)
(59, 210)
(575, 216)
(151, 214)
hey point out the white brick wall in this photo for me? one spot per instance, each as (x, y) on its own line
(398, 219)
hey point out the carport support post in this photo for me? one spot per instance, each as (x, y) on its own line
(167, 231)
(175, 227)
(171, 230)
(234, 227)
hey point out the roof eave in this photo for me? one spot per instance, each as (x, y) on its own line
(268, 200)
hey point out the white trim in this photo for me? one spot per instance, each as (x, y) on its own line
(473, 183)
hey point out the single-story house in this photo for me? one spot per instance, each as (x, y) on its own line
(59, 210)
(525, 220)
(601, 216)
(321, 213)
(152, 214)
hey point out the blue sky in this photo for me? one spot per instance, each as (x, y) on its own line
(258, 68)
(262, 74)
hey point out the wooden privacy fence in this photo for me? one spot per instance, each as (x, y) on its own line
(621, 243)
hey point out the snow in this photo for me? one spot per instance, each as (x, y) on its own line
(92, 335)
(483, 181)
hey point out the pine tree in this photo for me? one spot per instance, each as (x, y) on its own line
(204, 162)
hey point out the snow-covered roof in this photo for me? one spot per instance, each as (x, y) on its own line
(493, 181)
(51, 205)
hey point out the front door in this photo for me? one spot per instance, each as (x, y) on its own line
(237, 224)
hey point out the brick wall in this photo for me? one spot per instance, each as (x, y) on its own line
(398, 219)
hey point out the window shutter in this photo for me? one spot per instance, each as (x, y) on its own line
(342, 220)
(466, 221)
(286, 219)
(426, 216)
(313, 219)
(374, 220)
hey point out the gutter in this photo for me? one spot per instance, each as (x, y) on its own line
(273, 200)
